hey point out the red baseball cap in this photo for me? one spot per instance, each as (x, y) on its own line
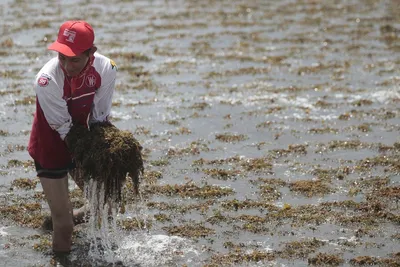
(74, 37)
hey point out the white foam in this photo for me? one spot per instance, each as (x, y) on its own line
(2, 232)
(382, 96)
(156, 250)
(385, 96)
(121, 115)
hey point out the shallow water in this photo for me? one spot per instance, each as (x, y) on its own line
(271, 75)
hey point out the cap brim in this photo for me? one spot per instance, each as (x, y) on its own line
(63, 49)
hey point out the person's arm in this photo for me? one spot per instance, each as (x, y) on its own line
(50, 97)
(102, 101)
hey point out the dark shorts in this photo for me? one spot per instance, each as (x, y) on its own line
(53, 173)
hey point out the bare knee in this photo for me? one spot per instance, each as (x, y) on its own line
(61, 214)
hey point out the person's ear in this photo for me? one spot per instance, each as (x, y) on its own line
(93, 50)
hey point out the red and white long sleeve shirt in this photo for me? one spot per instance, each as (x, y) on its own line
(62, 101)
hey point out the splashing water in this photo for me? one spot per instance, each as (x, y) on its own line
(111, 245)
(144, 249)
(102, 229)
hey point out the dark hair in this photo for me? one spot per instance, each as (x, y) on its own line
(87, 52)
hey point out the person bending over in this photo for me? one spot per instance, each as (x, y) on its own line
(74, 87)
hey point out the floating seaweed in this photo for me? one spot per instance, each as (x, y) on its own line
(189, 230)
(323, 259)
(24, 183)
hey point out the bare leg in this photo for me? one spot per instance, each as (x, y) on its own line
(57, 194)
(79, 214)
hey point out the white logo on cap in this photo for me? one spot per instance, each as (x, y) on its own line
(70, 35)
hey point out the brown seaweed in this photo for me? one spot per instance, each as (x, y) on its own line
(107, 155)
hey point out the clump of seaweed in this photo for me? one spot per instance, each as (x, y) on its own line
(29, 100)
(392, 163)
(231, 160)
(218, 217)
(256, 164)
(310, 188)
(24, 183)
(323, 259)
(240, 257)
(300, 249)
(221, 173)
(151, 177)
(188, 190)
(248, 204)
(192, 231)
(365, 127)
(362, 102)
(269, 192)
(181, 209)
(134, 224)
(231, 138)
(350, 144)
(18, 163)
(26, 214)
(44, 243)
(12, 148)
(160, 162)
(194, 148)
(292, 149)
(200, 105)
(323, 130)
(327, 175)
(8, 43)
(344, 117)
(364, 260)
(392, 192)
(162, 217)
(107, 155)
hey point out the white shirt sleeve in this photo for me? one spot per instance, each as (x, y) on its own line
(102, 101)
(50, 98)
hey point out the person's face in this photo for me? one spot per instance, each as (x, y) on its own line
(73, 65)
